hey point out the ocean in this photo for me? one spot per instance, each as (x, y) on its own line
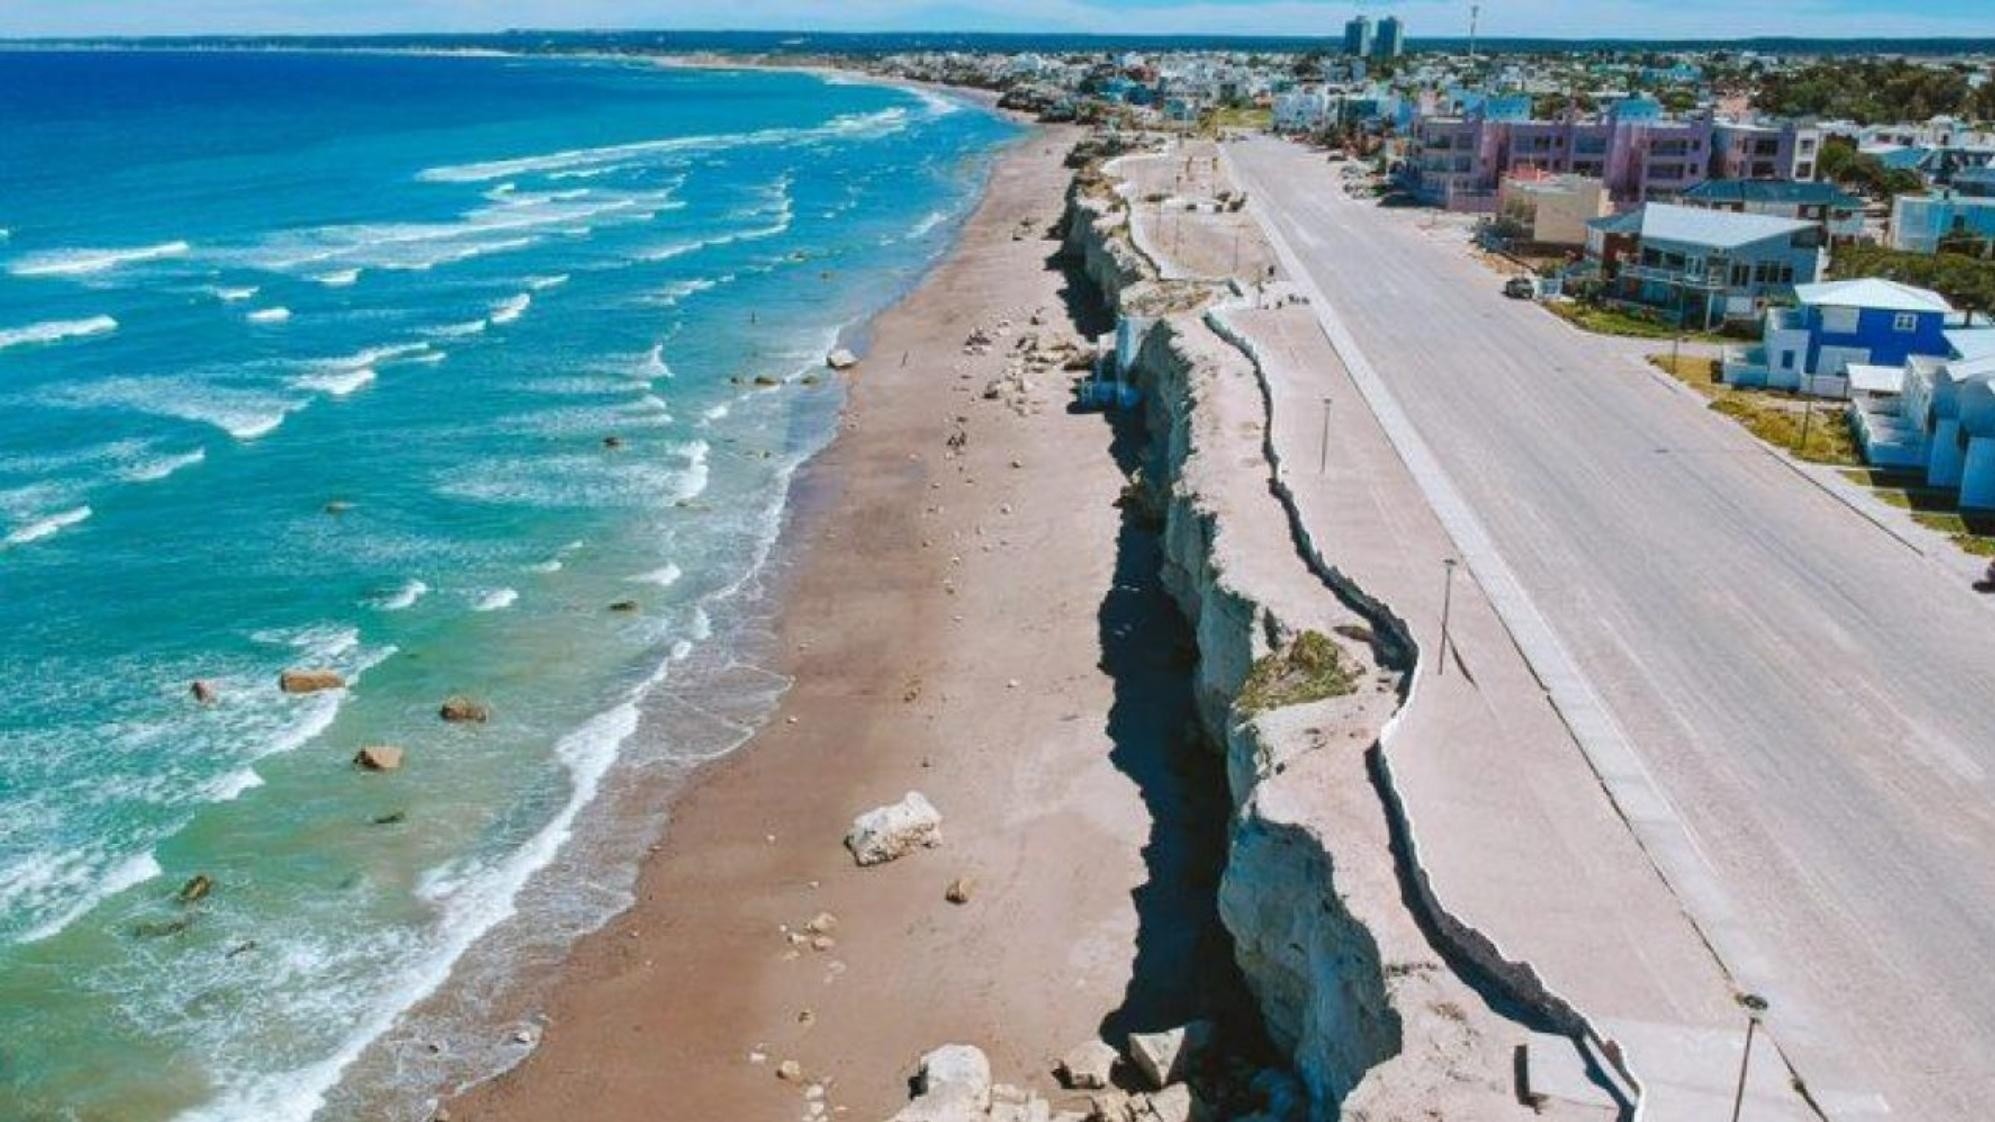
(410, 367)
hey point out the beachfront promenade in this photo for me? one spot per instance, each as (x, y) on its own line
(1514, 832)
(1780, 695)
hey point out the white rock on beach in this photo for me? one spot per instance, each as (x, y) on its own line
(1088, 1066)
(954, 1085)
(895, 830)
(1162, 1057)
(841, 359)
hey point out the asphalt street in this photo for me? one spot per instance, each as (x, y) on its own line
(1813, 700)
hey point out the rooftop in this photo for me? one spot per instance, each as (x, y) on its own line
(1801, 192)
(1872, 292)
(1721, 229)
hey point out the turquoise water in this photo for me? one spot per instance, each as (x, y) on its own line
(310, 360)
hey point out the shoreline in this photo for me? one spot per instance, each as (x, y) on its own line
(885, 564)
(485, 1015)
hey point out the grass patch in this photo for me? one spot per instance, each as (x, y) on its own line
(1776, 418)
(1603, 320)
(1241, 117)
(1311, 668)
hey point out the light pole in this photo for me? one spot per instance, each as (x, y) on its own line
(1447, 605)
(1807, 414)
(1755, 1005)
(1323, 450)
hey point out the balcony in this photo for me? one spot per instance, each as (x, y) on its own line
(1701, 282)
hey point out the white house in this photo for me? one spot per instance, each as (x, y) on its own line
(1942, 420)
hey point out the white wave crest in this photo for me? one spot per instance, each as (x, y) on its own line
(495, 600)
(849, 126)
(341, 278)
(402, 598)
(236, 295)
(85, 262)
(151, 471)
(54, 331)
(338, 383)
(270, 315)
(664, 577)
(48, 527)
(95, 887)
(506, 311)
(540, 284)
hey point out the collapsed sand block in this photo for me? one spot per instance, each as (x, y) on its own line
(895, 830)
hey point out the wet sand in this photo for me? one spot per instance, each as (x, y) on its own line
(977, 624)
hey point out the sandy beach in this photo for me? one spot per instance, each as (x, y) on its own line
(967, 616)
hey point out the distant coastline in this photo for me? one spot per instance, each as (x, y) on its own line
(803, 44)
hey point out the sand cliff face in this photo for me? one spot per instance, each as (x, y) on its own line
(1338, 938)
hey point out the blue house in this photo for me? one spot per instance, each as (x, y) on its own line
(1840, 324)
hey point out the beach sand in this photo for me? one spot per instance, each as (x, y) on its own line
(980, 626)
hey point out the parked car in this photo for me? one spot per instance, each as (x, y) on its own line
(1521, 288)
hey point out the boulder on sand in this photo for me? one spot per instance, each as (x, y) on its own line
(954, 1085)
(895, 830)
(458, 709)
(841, 359)
(310, 680)
(379, 757)
(1163, 1057)
(1088, 1066)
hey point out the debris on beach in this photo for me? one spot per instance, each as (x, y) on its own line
(310, 680)
(196, 889)
(960, 890)
(378, 757)
(889, 832)
(459, 709)
(841, 359)
(789, 1071)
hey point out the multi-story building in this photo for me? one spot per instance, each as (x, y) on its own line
(1919, 223)
(1551, 209)
(1762, 151)
(1391, 39)
(1358, 36)
(1703, 266)
(1840, 215)
(1638, 152)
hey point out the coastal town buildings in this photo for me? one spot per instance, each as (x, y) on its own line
(1838, 213)
(1837, 325)
(1358, 36)
(1936, 415)
(1551, 208)
(1963, 213)
(1390, 42)
(1637, 150)
(1700, 266)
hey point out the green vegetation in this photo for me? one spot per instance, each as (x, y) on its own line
(1311, 668)
(1872, 90)
(1967, 281)
(1841, 163)
(1604, 320)
(1238, 117)
(1936, 508)
(1779, 419)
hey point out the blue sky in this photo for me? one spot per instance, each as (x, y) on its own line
(1571, 18)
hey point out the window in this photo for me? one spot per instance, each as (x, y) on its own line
(1787, 360)
(1839, 321)
(1905, 321)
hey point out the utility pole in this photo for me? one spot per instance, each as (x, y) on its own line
(1807, 414)
(1447, 604)
(1323, 450)
(1755, 1005)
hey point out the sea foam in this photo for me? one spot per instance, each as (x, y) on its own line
(54, 331)
(48, 527)
(85, 262)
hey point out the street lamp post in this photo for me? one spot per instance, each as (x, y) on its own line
(1755, 1005)
(1447, 605)
(1323, 449)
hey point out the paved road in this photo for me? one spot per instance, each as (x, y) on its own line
(1815, 701)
